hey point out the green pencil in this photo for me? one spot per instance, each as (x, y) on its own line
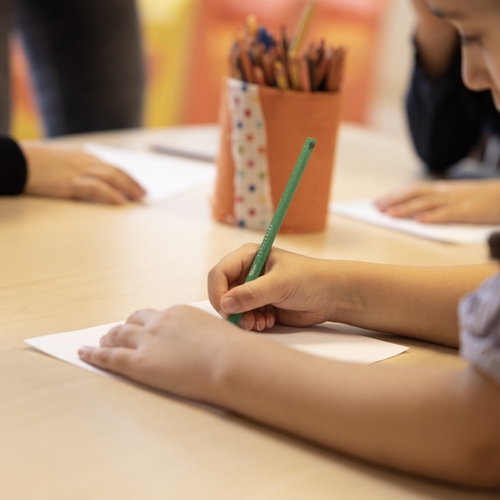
(279, 215)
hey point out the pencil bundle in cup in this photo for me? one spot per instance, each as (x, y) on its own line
(275, 98)
(257, 56)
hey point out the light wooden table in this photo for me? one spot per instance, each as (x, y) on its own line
(70, 434)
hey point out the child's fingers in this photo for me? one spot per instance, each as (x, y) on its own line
(126, 335)
(119, 180)
(446, 214)
(93, 189)
(402, 195)
(415, 206)
(230, 271)
(115, 359)
(252, 295)
(142, 316)
(257, 320)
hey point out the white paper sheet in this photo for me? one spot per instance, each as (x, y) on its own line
(178, 141)
(321, 340)
(366, 211)
(160, 175)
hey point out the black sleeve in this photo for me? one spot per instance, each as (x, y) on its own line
(446, 119)
(13, 170)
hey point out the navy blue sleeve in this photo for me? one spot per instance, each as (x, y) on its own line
(446, 119)
(13, 170)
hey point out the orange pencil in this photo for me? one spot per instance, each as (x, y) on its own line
(234, 69)
(322, 68)
(294, 70)
(312, 59)
(305, 77)
(284, 38)
(259, 75)
(268, 59)
(246, 64)
(336, 70)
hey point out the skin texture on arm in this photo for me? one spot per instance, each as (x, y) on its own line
(472, 202)
(71, 173)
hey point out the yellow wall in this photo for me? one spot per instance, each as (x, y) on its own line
(167, 29)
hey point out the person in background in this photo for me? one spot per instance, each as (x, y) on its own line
(86, 62)
(449, 120)
(47, 170)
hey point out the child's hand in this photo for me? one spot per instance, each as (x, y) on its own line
(474, 202)
(71, 173)
(294, 290)
(178, 350)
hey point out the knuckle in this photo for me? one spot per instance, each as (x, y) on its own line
(212, 273)
(250, 247)
(249, 295)
(102, 356)
(111, 336)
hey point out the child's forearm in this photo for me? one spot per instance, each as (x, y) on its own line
(419, 302)
(436, 40)
(436, 423)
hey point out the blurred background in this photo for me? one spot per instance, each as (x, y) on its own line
(186, 44)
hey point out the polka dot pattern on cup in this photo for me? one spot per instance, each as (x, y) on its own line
(252, 191)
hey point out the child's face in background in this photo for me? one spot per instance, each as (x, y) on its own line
(478, 22)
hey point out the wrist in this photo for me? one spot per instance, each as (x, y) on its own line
(228, 366)
(342, 291)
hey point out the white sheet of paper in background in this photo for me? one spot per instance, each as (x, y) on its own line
(321, 340)
(366, 211)
(178, 141)
(160, 175)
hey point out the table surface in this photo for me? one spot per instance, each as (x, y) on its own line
(70, 434)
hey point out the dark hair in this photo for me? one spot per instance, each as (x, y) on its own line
(494, 243)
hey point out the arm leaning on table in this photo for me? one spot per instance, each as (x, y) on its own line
(438, 423)
(48, 170)
(446, 119)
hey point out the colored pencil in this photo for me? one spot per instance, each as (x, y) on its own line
(279, 214)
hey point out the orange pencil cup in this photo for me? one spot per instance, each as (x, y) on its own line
(262, 133)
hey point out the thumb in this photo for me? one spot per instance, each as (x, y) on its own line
(249, 296)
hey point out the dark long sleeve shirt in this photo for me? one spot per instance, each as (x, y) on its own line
(446, 119)
(13, 171)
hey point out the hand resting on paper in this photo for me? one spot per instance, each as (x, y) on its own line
(471, 202)
(71, 173)
(177, 350)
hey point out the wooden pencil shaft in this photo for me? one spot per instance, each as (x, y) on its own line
(301, 28)
(246, 64)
